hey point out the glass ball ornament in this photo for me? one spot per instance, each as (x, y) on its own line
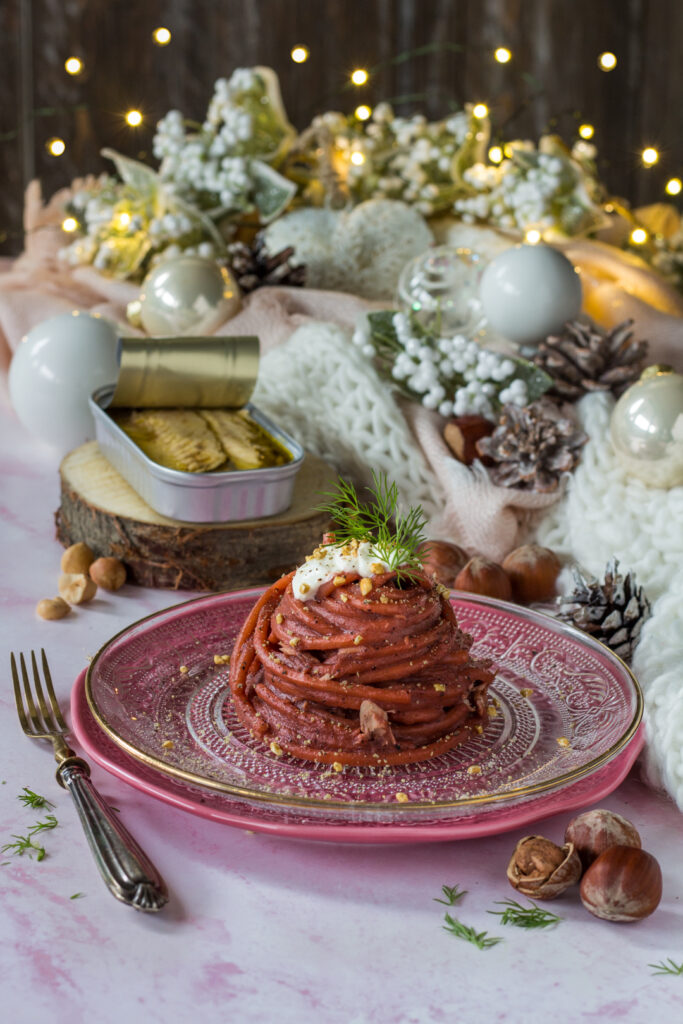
(646, 428)
(528, 292)
(55, 369)
(440, 288)
(187, 295)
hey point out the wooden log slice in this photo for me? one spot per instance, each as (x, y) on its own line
(100, 508)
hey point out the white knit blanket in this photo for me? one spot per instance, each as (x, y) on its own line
(321, 389)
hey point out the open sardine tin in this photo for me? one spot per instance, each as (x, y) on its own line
(193, 373)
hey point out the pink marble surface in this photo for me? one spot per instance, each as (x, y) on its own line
(261, 928)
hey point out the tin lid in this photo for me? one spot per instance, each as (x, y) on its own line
(198, 373)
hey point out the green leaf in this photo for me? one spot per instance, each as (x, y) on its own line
(271, 192)
(140, 177)
(537, 380)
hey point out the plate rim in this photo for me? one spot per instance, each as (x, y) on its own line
(293, 801)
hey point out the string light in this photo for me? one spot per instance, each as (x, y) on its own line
(123, 220)
(532, 237)
(639, 236)
(161, 36)
(357, 158)
(359, 76)
(674, 186)
(502, 54)
(607, 61)
(55, 146)
(649, 156)
(299, 54)
(69, 224)
(73, 65)
(495, 154)
(363, 112)
(134, 118)
(508, 150)
(586, 131)
(480, 110)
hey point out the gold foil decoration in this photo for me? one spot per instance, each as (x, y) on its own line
(191, 373)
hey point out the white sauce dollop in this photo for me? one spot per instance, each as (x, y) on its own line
(334, 561)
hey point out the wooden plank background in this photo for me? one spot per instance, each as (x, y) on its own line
(552, 82)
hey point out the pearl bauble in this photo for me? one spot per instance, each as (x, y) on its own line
(647, 428)
(187, 295)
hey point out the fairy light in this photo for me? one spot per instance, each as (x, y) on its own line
(532, 237)
(495, 154)
(649, 156)
(674, 186)
(508, 150)
(55, 146)
(123, 220)
(73, 65)
(586, 131)
(134, 118)
(363, 112)
(161, 36)
(299, 54)
(607, 61)
(359, 76)
(69, 224)
(480, 110)
(639, 236)
(357, 158)
(502, 54)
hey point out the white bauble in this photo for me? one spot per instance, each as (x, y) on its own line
(646, 428)
(529, 292)
(55, 369)
(187, 295)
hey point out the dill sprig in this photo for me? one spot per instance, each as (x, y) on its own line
(452, 894)
(77, 896)
(482, 940)
(396, 539)
(42, 826)
(667, 967)
(22, 845)
(524, 917)
(31, 799)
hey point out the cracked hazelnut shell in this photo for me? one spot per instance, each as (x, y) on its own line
(623, 884)
(541, 869)
(595, 831)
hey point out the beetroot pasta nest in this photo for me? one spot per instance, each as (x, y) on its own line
(356, 676)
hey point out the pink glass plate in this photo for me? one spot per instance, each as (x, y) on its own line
(295, 823)
(564, 707)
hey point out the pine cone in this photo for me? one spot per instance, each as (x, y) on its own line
(584, 358)
(253, 266)
(532, 447)
(612, 612)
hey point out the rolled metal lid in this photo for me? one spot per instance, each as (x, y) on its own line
(199, 373)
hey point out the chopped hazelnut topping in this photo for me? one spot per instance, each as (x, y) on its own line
(183, 669)
(339, 581)
(304, 588)
(279, 618)
(562, 741)
(440, 687)
(365, 586)
(294, 642)
(377, 568)
(492, 710)
(402, 798)
(526, 692)
(221, 659)
(344, 597)
(474, 769)
(338, 766)
(383, 599)
(168, 744)
(358, 640)
(479, 729)
(276, 748)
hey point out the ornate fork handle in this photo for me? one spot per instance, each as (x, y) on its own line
(125, 868)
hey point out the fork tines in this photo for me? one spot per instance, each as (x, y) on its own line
(46, 719)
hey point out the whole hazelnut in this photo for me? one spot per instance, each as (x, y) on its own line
(77, 558)
(481, 576)
(52, 608)
(76, 587)
(108, 573)
(541, 869)
(623, 884)
(443, 560)
(593, 832)
(533, 572)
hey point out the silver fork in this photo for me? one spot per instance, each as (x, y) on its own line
(125, 868)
